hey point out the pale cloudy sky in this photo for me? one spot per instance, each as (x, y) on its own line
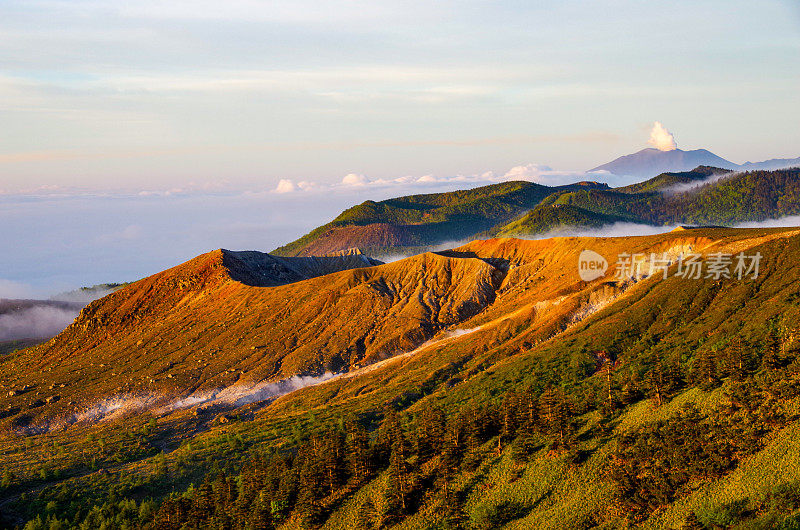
(134, 135)
(153, 94)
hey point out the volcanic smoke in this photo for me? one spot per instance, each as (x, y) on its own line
(661, 138)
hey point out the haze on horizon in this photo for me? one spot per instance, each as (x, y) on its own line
(99, 94)
(136, 136)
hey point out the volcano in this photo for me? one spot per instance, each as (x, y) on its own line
(651, 162)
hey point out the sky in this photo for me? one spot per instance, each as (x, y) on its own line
(134, 135)
(109, 94)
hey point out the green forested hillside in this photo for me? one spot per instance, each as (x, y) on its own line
(434, 218)
(753, 196)
(550, 219)
(411, 224)
(669, 180)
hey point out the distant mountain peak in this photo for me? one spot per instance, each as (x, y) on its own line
(650, 162)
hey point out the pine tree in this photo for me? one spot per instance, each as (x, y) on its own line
(735, 362)
(610, 402)
(663, 380)
(556, 415)
(312, 480)
(260, 517)
(401, 480)
(631, 390)
(772, 358)
(430, 433)
(334, 464)
(509, 412)
(359, 458)
(368, 515)
(453, 450)
(387, 433)
(281, 486)
(452, 510)
(704, 371)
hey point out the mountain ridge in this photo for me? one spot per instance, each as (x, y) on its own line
(650, 162)
(408, 225)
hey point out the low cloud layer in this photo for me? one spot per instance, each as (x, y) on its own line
(620, 229)
(85, 295)
(538, 173)
(692, 186)
(36, 322)
(782, 222)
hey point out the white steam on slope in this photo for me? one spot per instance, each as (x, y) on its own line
(233, 396)
(35, 323)
(110, 408)
(245, 393)
(238, 395)
(661, 138)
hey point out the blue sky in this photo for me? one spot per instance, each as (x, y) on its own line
(150, 94)
(134, 135)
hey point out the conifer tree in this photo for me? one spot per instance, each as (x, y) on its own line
(556, 415)
(509, 413)
(735, 360)
(430, 433)
(772, 358)
(400, 477)
(359, 458)
(368, 516)
(704, 371)
(332, 457)
(631, 390)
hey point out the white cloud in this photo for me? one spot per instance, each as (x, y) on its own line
(526, 171)
(538, 173)
(285, 186)
(354, 179)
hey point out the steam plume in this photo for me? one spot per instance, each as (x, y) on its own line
(661, 138)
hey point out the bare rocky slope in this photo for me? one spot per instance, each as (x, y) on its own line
(210, 328)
